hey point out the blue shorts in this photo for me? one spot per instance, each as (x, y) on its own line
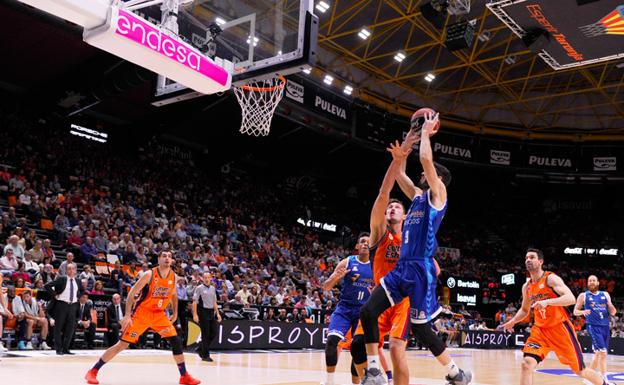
(600, 335)
(343, 319)
(418, 281)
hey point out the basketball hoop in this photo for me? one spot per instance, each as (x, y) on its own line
(258, 101)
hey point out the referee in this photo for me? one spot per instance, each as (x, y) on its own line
(208, 315)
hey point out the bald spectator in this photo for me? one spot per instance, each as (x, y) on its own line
(62, 271)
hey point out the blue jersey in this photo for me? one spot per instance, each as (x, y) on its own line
(597, 303)
(358, 282)
(420, 228)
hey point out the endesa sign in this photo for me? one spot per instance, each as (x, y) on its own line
(465, 291)
(137, 40)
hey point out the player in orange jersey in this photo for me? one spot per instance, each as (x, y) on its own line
(547, 295)
(155, 290)
(386, 221)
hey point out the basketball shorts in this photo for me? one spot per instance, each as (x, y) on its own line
(416, 279)
(343, 319)
(143, 320)
(600, 336)
(394, 322)
(561, 339)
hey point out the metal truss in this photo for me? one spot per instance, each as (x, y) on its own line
(498, 85)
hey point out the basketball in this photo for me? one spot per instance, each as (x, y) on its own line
(418, 119)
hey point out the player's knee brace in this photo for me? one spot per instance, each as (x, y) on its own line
(176, 345)
(427, 337)
(354, 372)
(358, 349)
(331, 350)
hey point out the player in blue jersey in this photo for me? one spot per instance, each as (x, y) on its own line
(357, 282)
(415, 275)
(595, 306)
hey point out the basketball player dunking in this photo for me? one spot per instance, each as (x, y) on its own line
(357, 282)
(547, 295)
(596, 306)
(157, 288)
(415, 274)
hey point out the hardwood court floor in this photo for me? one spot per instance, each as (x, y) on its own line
(491, 367)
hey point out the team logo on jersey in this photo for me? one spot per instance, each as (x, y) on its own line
(355, 268)
(422, 315)
(171, 282)
(133, 334)
(393, 252)
(534, 345)
(602, 298)
(390, 237)
(541, 286)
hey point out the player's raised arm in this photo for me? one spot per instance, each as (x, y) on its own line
(338, 274)
(578, 308)
(400, 155)
(438, 190)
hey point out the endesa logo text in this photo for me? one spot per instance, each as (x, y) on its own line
(141, 32)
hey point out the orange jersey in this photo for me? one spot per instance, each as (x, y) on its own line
(552, 315)
(387, 252)
(157, 295)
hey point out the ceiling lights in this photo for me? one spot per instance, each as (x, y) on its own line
(399, 57)
(364, 34)
(322, 6)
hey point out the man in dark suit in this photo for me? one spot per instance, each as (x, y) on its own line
(64, 308)
(85, 321)
(115, 313)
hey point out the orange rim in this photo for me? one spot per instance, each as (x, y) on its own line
(266, 89)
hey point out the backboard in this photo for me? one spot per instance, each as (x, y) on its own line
(259, 38)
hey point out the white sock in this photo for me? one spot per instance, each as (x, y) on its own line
(452, 369)
(373, 362)
(329, 379)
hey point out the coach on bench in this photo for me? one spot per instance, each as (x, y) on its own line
(64, 308)
(115, 313)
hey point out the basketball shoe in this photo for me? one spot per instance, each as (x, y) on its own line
(373, 376)
(187, 379)
(461, 378)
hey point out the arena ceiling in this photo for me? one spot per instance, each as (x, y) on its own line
(498, 86)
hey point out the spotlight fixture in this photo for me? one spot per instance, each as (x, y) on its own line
(430, 77)
(459, 35)
(399, 57)
(435, 12)
(328, 80)
(364, 34)
(322, 6)
(255, 41)
(219, 21)
(348, 90)
(307, 71)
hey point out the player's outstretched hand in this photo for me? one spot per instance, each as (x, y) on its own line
(431, 122)
(398, 151)
(586, 312)
(509, 326)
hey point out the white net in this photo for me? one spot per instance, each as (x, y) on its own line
(258, 101)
